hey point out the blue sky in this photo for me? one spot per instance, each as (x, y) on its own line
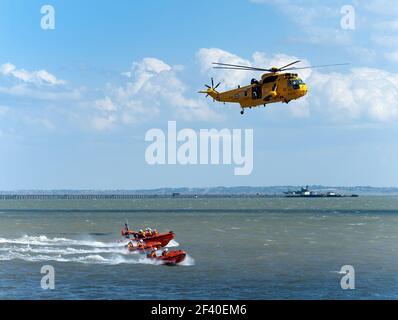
(76, 102)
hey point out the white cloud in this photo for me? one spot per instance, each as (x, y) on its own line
(105, 105)
(301, 108)
(153, 87)
(150, 65)
(144, 71)
(363, 93)
(40, 85)
(40, 77)
(229, 78)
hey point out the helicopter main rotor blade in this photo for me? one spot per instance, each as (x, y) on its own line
(289, 64)
(212, 83)
(237, 66)
(284, 68)
(240, 67)
(231, 65)
(321, 66)
(216, 86)
(244, 69)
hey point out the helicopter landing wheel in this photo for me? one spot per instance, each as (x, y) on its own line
(242, 112)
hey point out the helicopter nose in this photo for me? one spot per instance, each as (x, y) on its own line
(303, 89)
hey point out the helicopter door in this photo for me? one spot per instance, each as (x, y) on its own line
(256, 92)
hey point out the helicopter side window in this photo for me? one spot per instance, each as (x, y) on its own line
(270, 79)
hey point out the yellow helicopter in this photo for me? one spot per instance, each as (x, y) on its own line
(274, 86)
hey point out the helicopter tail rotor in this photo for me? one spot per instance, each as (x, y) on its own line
(211, 90)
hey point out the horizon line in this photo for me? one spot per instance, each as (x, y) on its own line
(183, 187)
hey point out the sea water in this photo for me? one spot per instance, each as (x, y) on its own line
(238, 248)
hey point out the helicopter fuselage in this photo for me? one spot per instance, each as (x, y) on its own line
(273, 87)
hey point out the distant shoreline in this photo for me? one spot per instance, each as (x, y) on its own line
(131, 196)
(213, 192)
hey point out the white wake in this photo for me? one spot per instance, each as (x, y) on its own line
(87, 251)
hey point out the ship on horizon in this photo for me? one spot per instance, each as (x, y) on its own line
(305, 192)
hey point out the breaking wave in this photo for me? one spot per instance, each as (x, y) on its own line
(43, 240)
(42, 248)
(189, 261)
(172, 244)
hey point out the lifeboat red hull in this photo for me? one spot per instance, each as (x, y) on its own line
(163, 239)
(172, 257)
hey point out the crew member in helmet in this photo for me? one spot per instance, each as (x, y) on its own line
(140, 244)
(153, 253)
(165, 252)
(130, 245)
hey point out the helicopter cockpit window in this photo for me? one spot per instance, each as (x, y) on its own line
(295, 83)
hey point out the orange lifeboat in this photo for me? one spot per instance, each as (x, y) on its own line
(170, 258)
